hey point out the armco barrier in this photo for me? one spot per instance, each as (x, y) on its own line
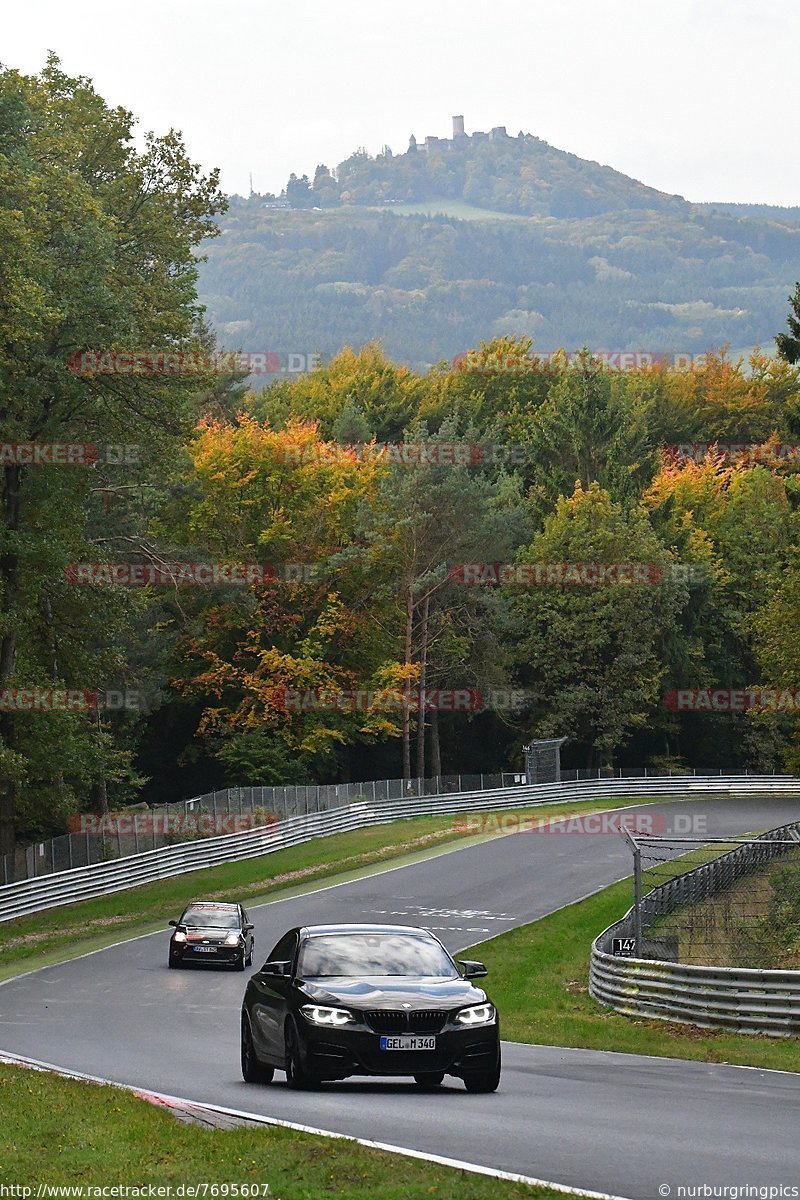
(140, 828)
(83, 883)
(740, 999)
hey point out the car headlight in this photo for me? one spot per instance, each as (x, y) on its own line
(178, 936)
(320, 1014)
(477, 1014)
(232, 939)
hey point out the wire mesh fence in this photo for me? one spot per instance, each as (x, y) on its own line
(715, 902)
(232, 810)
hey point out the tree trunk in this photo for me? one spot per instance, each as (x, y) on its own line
(9, 567)
(436, 756)
(98, 789)
(422, 680)
(407, 685)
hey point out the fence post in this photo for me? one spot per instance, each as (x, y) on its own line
(637, 900)
(637, 891)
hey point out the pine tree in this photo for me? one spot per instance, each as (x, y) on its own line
(789, 344)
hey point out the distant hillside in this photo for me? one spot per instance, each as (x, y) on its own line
(787, 215)
(432, 287)
(603, 261)
(522, 175)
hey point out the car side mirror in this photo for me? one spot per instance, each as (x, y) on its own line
(276, 968)
(248, 928)
(472, 970)
(175, 923)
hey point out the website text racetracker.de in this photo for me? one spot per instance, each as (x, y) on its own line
(176, 824)
(36, 699)
(579, 574)
(113, 1191)
(639, 824)
(377, 700)
(70, 454)
(190, 362)
(732, 700)
(473, 361)
(190, 574)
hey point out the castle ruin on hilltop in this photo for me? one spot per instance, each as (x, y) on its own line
(460, 138)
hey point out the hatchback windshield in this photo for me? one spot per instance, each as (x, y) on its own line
(211, 918)
(383, 954)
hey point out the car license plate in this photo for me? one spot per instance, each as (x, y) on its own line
(205, 949)
(408, 1043)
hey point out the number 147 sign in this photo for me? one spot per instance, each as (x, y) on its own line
(623, 947)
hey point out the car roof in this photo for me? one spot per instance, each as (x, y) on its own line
(345, 928)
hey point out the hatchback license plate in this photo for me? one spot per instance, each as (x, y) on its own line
(408, 1043)
(205, 949)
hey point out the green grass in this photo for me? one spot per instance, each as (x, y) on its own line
(65, 1131)
(64, 932)
(451, 208)
(539, 976)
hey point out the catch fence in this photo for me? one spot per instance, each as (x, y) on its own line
(713, 937)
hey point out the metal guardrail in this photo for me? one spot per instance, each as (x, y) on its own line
(146, 828)
(230, 810)
(99, 879)
(740, 999)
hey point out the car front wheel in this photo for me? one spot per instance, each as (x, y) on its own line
(252, 1070)
(297, 1076)
(484, 1081)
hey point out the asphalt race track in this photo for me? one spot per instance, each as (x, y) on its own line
(614, 1123)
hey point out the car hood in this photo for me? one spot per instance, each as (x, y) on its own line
(390, 993)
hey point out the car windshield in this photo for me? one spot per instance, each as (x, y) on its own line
(211, 918)
(382, 954)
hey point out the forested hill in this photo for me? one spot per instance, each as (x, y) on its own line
(671, 278)
(522, 175)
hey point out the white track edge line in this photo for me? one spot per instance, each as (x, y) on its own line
(457, 1164)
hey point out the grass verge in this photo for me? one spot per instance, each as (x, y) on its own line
(73, 1133)
(65, 932)
(539, 979)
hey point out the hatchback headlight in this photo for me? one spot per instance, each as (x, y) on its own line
(477, 1014)
(232, 939)
(178, 936)
(320, 1014)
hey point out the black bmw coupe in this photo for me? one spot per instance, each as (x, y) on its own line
(339, 1000)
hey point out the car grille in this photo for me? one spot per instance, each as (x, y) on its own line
(418, 1021)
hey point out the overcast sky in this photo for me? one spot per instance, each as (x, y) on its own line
(691, 96)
